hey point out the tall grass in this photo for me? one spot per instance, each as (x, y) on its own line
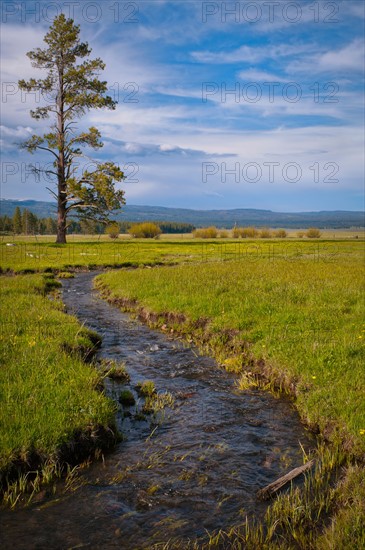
(48, 395)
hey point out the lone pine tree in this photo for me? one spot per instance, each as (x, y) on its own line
(71, 89)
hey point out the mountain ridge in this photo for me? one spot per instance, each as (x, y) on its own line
(219, 217)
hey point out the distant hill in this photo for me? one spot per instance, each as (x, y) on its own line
(221, 218)
(39, 208)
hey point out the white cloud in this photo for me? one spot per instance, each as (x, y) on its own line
(166, 147)
(356, 8)
(254, 75)
(251, 54)
(15, 64)
(133, 148)
(116, 147)
(348, 58)
(179, 91)
(351, 57)
(11, 138)
(140, 123)
(18, 132)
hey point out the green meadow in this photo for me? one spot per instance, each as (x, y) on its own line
(48, 393)
(29, 255)
(287, 316)
(299, 319)
(289, 322)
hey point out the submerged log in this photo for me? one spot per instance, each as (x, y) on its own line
(274, 487)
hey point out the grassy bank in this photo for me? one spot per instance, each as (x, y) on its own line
(303, 320)
(295, 324)
(50, 409)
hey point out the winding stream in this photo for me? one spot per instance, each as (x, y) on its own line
(193, 467)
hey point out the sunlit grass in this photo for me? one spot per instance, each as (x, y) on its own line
(30, 255)
(294, 321)
(304, 318)
(292, 308)
(47, 392)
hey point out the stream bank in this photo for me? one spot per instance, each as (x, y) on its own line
(192, 467)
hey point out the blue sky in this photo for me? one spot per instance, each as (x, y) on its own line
(221, 104)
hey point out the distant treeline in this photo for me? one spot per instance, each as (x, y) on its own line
(25, 222)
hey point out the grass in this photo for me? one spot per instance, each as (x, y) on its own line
(48, 394)
(303, 319)
(146, 388)
(294, 324)
(343, 234)
(287, 315)
(126, 398)
(114, 370)
(156, 402)
(29, 255)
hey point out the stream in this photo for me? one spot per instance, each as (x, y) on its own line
(191, 468)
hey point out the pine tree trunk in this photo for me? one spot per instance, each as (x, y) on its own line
(61, 221)
(62, 185)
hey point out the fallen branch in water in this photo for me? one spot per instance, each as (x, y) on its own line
(271, 489)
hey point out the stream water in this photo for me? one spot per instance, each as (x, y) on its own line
(193, 467)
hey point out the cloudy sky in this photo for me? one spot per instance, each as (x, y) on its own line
(220, 104)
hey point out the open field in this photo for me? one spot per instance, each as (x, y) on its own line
(287, 315)
(337, 234)
(48, 393)
(32, 256)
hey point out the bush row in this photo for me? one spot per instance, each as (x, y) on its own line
(151, 230)
(252, 233)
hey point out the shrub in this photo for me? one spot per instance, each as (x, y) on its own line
(223, 234)
(313, 233)
(112, 230)
(236, 232)
(206, 233)
(244, 232)
(146, 230)
(249, 233)
(265, 233)
(280, 234)
(300, 234)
